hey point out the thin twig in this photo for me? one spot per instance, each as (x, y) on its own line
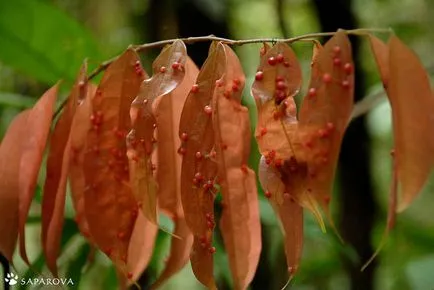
(367, 103)
(190, 40)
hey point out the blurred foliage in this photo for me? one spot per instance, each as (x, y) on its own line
(43, 41)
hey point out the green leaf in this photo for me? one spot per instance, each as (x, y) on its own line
(75, 267)
(42, 41)
(15, 100)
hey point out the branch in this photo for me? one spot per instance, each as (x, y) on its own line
(190, 40)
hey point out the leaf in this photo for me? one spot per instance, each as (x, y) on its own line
(110, 207)
(168, 111)
(199, 170)
(28, 45)
(37, 130)
(10, 154)
(15, 100)
(410, 95)
(53, 201)
(141, 247)
(240, 222)
(78, 136)
(289, 212)
(324, 116)
(168, 73)
(75, 267)
(277, 81)
(275, 86)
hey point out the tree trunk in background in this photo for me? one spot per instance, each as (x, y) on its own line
(6, 269)
(357, 206)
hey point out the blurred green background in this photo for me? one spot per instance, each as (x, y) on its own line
(42, 41)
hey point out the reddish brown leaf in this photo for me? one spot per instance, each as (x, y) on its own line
(199, 169)
(79, 129)
(324, 115)
(412, 101)
(37, 130)
(381, 54)
(240, 223)
(168, 73)
(53, 201)
(274, 90)
(10, 154)
(289, 212)
(168, 113)
(110, 207)
(141, 247)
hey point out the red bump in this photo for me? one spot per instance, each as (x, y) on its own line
(337, 61)
(345, 84)
(163, 69)
(198, 155)
(198, 176)
(281, 85)
(263, 131)
(327, 78)
(336, 49)
(237, 81)
(278, 163)
(181, 151)
(259, 76)
(286, 195)
(244, 168)
(194, 88)
(279, 79)
(286, 64)
(235, 87)
(267, 194)
(208, 110)
(175, 65)
(280, 58)
(212, 250)
(348, 68)
(121, 235)
(224, 146)
(129, 275)
(330, 126)
(219, 83)
(184, 136)
(272, 60)
(312, 92)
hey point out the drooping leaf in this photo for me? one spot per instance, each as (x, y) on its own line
(53, 201)
(168, 114)
(290, 214)
(276, 84)
(79, 129)
(277, 81)
(199, 169)
(168, 73)
(240, 222)
(141, 247)
(10, 155)
(36, 131)
(110, 207)
(409, 92)
(325, 114)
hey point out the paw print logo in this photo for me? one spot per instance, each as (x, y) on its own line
(11, 279)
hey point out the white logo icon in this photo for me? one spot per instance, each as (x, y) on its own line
(11, 279)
